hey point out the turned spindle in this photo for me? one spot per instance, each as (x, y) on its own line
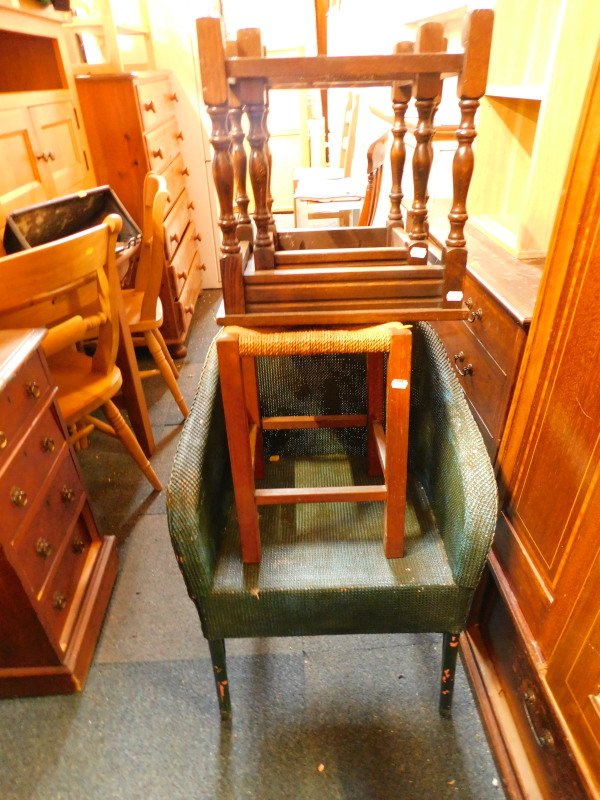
(401, 94)
(238, 155)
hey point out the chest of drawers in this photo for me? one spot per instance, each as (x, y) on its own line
(56, 571)
(141, 133)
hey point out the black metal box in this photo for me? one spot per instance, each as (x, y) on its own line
(63, 216)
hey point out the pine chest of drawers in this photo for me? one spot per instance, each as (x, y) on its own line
(56, 571)
(132, 128)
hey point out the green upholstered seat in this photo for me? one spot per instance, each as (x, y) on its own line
(323, 569)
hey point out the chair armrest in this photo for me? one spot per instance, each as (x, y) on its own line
(199, 491)
(448, 456)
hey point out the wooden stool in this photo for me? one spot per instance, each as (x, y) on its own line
(387, 450)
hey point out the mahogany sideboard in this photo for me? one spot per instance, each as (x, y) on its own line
(56, 570)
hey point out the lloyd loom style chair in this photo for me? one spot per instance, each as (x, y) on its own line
(342, 275)
(323, 569)
(70, 286)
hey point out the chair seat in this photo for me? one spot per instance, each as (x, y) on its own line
(323, 570)
(132, 301)
(81, 390)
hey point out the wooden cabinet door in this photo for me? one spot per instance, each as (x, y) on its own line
(58, 135)
(24, 172)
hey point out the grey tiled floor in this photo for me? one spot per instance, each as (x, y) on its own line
(343, 717)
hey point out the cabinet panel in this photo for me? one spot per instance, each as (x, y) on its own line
(23, 174)
(59, 139)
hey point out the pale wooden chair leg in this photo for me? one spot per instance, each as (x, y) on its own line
(240, 453)
(253, 408)
(165, 349)
(165, 370)
(375, 399)
(397, 412)
(132, 445)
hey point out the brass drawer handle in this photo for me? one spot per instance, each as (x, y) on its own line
(3, 440)
(59, 601)
(42, 156)
(474, 314)
(18, 496)
(174, 237)
(197, 237)
(173, 97)
(157, 153)
(545, 738)
(51, 155)
(179, 135)
(460, 357)
(48, 444)
(33, 389)
(185, 171)
(189, 309)
(78, 546)
(202, 267)
(43, 547)
(191, 205)
(68, 495)
(150, 106)
(182, 275)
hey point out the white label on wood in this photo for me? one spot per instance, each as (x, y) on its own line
(452, 297)
(418, 252)
(399, 383)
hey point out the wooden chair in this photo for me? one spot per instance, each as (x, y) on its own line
(345, 276)
(143, 307)
(237, 349)
(319, 191)
(70, 286)
(323, 570)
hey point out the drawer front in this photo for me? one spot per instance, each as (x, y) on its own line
(63, 593)
(176, 224)
(41, 544)
(484, 382)
(180, 267)
(175, 175)
(501, 336)
(22, 398)
(26, 472)
(157, 103)
(162, 145)
(186, 304)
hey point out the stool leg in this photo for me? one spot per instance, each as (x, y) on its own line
(253, 407)
(238, 438)
(396, 439)
(375, 397)
(449, 654)
(219, 664)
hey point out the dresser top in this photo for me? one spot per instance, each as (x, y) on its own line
(15, 348)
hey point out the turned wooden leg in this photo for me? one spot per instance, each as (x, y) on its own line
(165, 370)
(131, 444)
(449, 654)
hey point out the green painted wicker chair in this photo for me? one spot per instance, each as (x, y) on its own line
(323, 569)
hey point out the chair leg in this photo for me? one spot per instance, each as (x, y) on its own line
(253, 406)
(375, 400)
(130, 443)
(217, 655)
(165, 370)
(449, 654)
(165, 349)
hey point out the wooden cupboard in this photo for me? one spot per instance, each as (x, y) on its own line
(132, 128)
(532, 650)
(43, 147)
(56, 571)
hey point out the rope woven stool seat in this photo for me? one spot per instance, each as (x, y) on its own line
(237, 350)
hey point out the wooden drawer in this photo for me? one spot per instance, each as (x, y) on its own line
(162, 145)
(23, 397)
(176, 224)
(40, 545)
(26, 473)
(174, 175)
(180, 267)
(65, 590)
(484, 382)
(501, 335)
(185, 305)
(157, 102)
